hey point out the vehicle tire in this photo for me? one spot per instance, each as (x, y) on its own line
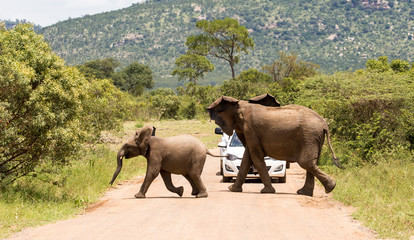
(221, 167)
(282, 179)
(287, 164)
(226, 179)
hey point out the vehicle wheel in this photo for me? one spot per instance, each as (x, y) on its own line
(226, 179)
(282, 179)
(287, 164)
(221, 167)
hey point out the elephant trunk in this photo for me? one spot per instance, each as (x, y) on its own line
(119, 158)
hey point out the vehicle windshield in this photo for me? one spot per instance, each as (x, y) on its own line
(235, 141)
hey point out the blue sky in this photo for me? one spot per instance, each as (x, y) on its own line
(47, 12)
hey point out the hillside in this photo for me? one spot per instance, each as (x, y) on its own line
(336, 34)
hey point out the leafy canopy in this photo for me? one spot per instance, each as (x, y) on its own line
(40, 103)
(47, 109)
(223, 39)
(192, 67)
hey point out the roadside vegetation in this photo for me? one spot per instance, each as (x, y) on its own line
(60, 127)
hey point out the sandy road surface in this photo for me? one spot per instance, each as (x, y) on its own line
(223, 215)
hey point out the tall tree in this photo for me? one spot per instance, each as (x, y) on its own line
(192, 67)
(289, 66)
(134, 78)
(223, 39)
(40, 103)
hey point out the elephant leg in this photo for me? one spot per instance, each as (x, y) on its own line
(307, 189)
(166, 176)
(245, 165)
(193, 186)
(260, 165)
(311, 171)
(199, 185)
(152, 173)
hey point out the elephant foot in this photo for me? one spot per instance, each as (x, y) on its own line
(139, 195)
(330, 186)
(268, 189)
(233, 188)
(202, 195)
(306, 192)
(180, 191)
(194, 192)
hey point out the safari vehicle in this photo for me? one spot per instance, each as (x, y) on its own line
(233, 149)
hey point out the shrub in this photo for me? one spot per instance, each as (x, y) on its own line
(42, 118)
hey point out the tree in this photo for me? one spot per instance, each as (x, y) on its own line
(289, 66)
(380, 65)
(192, 67)
(100, 68)
(134, 78)
(40, 103)
(248, 84)
(223, 39)
(47, 110)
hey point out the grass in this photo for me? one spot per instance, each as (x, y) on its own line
(61, 193)
(383, 195)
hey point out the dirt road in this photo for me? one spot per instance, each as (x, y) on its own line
(223, 215)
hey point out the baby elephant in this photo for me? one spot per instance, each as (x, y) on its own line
(183, 155)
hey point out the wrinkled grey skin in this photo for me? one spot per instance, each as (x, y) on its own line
(292, 133)
(183, 155)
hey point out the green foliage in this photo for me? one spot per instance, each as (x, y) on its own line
(40, 102)
(223, 39)
(165, 103)
(134, 78)
(105, 107)
(370, 111)
(47, 110)
(192, 67)
(289, 66)
(100, 68)
(286, 91)
(248, 84)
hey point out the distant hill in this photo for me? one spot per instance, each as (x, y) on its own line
(10, 24)
(336, 34)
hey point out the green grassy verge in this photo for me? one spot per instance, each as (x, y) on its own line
(61, 193)
(383, 195)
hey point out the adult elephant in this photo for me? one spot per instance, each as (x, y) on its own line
(292, 133)
(183, 155)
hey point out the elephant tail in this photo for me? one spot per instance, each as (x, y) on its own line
(213, 155)
(335, 160)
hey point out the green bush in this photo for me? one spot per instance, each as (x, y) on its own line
(369, 111)
(47, 110)
(40, 104)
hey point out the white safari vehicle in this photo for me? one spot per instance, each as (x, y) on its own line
(233, 148)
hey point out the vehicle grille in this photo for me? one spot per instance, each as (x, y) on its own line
(251, 171)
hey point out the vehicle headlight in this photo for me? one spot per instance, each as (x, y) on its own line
(279, 168)
(228, 168)
(232, 157)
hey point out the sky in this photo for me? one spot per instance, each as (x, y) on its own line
(48, 12)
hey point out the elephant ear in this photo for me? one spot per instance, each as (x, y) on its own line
(265, 100)
(220, 105)
(142, 139)
(224, 106)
